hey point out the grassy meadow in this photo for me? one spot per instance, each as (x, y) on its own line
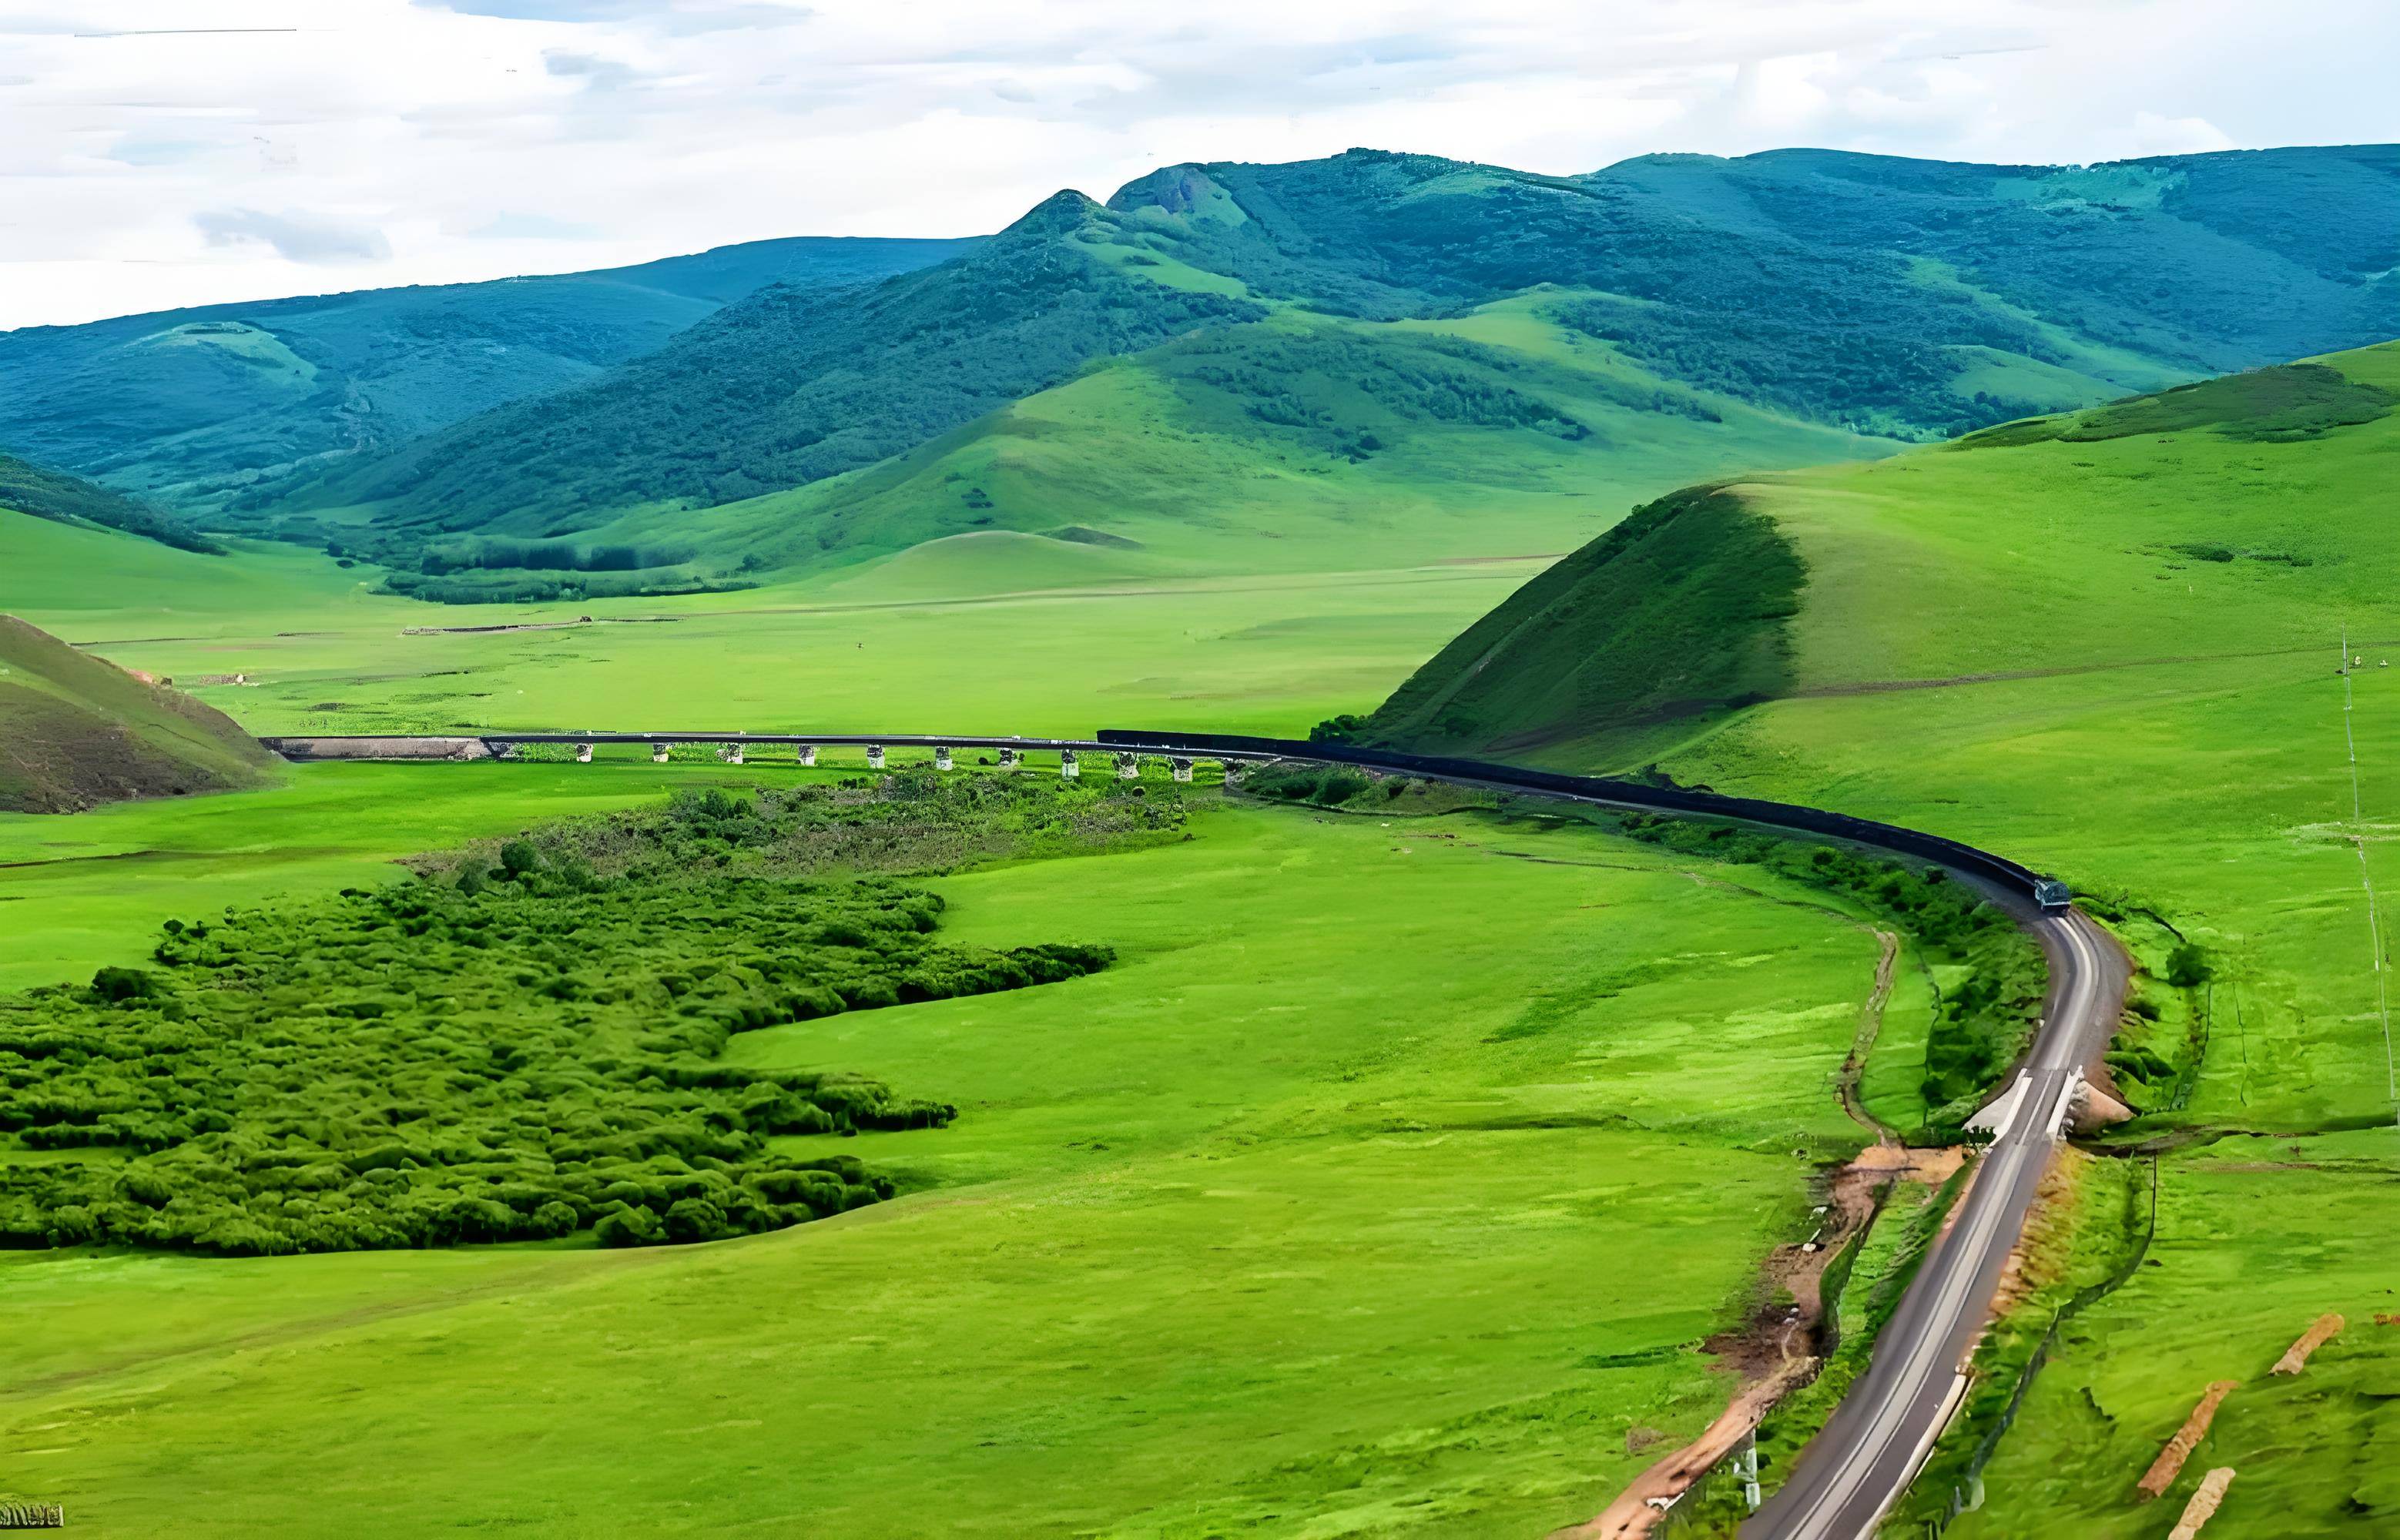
(1309, 1214)
(2115, 658)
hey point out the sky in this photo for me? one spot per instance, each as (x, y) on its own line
(162, 153)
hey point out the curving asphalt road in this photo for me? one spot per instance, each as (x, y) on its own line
(1876, 1441)
(1869, 1450)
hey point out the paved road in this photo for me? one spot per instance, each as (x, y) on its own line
(1867, 1453)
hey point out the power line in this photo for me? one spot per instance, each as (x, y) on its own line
(2367, 879)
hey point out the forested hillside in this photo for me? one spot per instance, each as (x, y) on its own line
(794, 385)
(191, 403)
(1880, 297)
(53, 494)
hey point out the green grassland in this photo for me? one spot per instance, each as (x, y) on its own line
(2107, 646)
(1307, 1214)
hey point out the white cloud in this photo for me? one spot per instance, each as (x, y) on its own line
(157, 152)
(2160, 135)
(308, 239)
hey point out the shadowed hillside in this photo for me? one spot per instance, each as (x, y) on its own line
(1675, 615)
(792, 385)
(77, 731)
(53, 494)
(1668, 625)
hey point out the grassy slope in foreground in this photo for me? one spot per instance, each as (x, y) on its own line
(77, 730)
(1308, 1214)
(2114, 657)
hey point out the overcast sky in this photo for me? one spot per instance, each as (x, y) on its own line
(312, 145)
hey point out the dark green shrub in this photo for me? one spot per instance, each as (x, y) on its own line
(122, 984)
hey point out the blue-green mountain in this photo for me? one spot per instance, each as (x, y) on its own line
(191, 403)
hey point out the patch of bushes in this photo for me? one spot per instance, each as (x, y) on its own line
(912, 820)
(1296, 781)
(519, 1052)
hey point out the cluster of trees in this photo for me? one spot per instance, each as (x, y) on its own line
(1873, 353)
(519, 1052)
(510, 586)
(544, 556)
(1337, 388)
(912, 820)
(1325, 785)
(48, 494)
(1982, 1024)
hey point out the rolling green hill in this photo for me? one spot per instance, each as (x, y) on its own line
(1687, 613)
(1879, 298)
(2111, 643)
(77, 731)
(792, 385)
(191, 405)
(53, 494)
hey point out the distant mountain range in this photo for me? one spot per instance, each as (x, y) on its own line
(1329, 307)
(189, 405)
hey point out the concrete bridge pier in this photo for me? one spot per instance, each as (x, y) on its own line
(1232, 772)
(729, 753)
(583, 754)
(808, 754)
(1128, 767)
(1181, 769)
(875, 757)
(658, 753)
(942, 757)
(1010, 759)
(1067, 766)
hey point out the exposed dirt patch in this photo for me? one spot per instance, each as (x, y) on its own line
(1777, 1351)
(1845, 1080)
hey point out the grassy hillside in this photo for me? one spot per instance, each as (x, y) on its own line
(2107, 643)
(193, 405)
(1289, 442)
(791, 386)
(1875, 297)
(53, 494)
(75, 732)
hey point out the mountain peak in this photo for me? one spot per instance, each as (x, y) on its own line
(1183, 191)
(1061, 213)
